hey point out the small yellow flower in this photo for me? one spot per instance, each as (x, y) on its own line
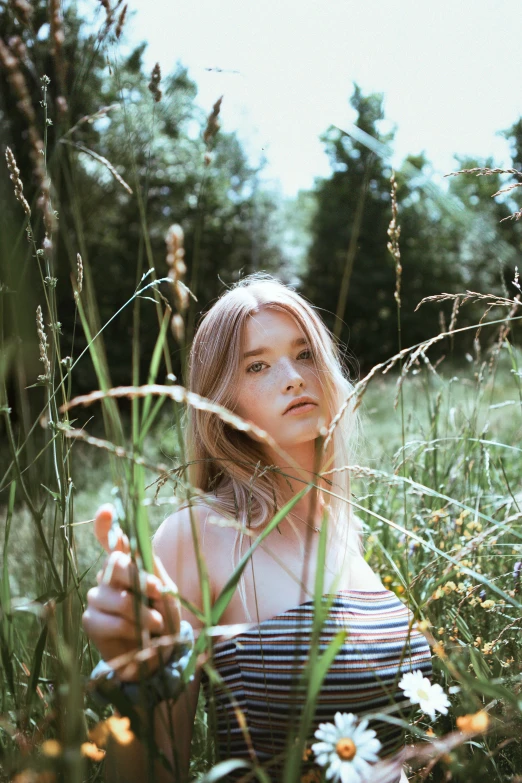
(488, 604)
(438, 649)
(387, 580)
(90, 751)
(400, 589)
(423, 625)
(488, 647)
(119, 728)
(51, 748)
(470, 724)
(440, 631)
(429, 731)
(478, 641)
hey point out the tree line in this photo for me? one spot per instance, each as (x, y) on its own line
(130, 154)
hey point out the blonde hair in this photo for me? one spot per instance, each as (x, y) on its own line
(224, 462)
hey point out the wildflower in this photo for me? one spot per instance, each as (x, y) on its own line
(423, 625)
(387, 580)
(438, 593)
(482, 595)
(119, 728)
(440, 631)
(449, 587)
(51, 748)
(438, 649)
(516, 572)
(91, 751)
(429, 731)
(400, 589)
(488, 648)
(478, 641)
(488, 604)
(346, 748)
(469, 724)
(419, 690)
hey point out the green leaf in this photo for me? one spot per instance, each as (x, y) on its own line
(35, 669)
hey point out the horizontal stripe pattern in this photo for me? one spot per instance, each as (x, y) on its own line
(260, 666)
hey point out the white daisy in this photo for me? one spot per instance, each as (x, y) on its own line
(346, 748)
(419, 690)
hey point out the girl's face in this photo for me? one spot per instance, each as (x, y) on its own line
(277, 368)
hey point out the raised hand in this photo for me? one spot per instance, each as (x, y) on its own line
(111, 620)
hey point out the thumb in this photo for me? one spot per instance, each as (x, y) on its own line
(103, 521)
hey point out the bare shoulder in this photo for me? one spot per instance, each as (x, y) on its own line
(188, 537)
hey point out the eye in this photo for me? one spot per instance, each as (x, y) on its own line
(253, 365)
(255, 372)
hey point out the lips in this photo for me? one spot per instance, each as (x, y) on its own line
(300, 401)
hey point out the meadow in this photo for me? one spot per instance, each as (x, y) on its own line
(436, 480)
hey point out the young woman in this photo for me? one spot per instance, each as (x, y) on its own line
(264, 353)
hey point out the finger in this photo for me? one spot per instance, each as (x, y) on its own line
(121, 572)
(121, 602)
(105, 516)
(103, 627)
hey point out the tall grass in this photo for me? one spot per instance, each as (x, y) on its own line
(439, 493)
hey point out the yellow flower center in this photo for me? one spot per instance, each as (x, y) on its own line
(422, 694)
(346, 749)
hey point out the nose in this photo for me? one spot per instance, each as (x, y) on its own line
(291, 375)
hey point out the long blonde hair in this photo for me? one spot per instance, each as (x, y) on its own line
(224, 462)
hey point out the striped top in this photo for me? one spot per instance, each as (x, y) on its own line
(259, 667)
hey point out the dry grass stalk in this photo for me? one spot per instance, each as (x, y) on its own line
(212, 128)
(79, 276)
(14, 173)
(480, 172)
(101, 160)
(155, 79)
(106, 445)
(516, 282)
(394, 232)
(181, 395)
(23, 10)
(90, 118)
(120, 23)
(45, 205)
(42, 340)
(108, 13)
(454, 313)
(57, 42)
(18, 84)
(469, 296)
(177, 269)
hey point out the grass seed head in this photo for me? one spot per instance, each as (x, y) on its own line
(42, 339)
(155, 79)
(14, 173)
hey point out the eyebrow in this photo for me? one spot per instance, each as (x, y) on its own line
(262, 349)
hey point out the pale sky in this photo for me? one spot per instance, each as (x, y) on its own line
(449, 71)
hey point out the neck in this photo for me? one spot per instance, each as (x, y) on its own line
(309, 509)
